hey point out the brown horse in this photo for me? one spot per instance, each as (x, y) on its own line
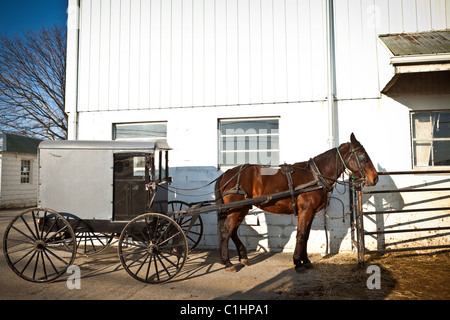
(250, 181)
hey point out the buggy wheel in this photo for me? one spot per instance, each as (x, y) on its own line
(192, 225)
(153, 248)
(39, 245)
(88, 242)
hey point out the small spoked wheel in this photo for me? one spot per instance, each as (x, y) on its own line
(88, 242)
(153, 248)
(192, 225)
(39, 245)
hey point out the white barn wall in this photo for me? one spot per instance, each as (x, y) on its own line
(136, 54)
(193, 62)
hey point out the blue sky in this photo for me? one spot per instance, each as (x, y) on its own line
(19, 15)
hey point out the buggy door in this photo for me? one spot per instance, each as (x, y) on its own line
(130, 194)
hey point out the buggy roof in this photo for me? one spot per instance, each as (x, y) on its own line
(105, 145)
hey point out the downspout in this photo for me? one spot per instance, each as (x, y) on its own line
(71, 94)
(331, 74)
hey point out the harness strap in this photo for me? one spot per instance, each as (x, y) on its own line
(346, 170)
(318, 176)
(287, 170)
(237, 189)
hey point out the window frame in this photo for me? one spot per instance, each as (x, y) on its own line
(220, 121)
(414, 140)
(25, 175)
(156, 138)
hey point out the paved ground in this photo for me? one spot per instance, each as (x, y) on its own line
(270, 276)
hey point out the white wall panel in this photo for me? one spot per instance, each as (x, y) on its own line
(395, 12)
(267, 50)
(155, 53)
(423, 14)
(209, 50)
(176, 53)
(221, 51)
(94, 56)
(342, 49)
(279, 44)
(305, 53)
(114, 54)
(292, 51)
(318, 49)
(135, 54)
(409, 16)
(166, 53)
(438, 14)
(244, 57)
(360, 57)
(124, 54)
(368, 74)
(232, 59)
(104, 55)
(447, 13)
(140, 54)
(144, 55)
(255, 51)
(84, 56)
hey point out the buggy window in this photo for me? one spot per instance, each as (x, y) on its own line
(128, 166)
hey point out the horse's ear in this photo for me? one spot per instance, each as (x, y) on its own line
(353, 139)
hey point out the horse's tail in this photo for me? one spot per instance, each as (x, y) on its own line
(218, 196)
(221, 214)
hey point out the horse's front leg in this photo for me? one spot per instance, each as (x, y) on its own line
(304, 221)
(242, 250)
(304, 254)
(228, 229)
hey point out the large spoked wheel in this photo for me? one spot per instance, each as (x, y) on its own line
(192, 225)
(39, 245)
(153, 248)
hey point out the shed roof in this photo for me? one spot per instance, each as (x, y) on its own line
(104, 145)
(417, 43)
(10, 142)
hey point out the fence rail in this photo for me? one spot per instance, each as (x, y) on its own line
(357, 215)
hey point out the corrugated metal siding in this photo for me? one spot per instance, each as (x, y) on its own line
(140, 54)
(155, 54)
(359, 64)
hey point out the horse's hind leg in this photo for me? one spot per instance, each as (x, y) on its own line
(242, 251)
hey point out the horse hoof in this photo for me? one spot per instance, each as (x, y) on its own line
(308, 265)
(244, 262)
(231, 269)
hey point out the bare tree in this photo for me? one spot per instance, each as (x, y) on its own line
(32, 83)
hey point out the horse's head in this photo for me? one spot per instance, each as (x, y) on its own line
(358, 162)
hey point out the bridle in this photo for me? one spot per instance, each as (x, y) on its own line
(360, 158)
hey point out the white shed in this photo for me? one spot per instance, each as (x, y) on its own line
(18, 171)
(265, 81)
